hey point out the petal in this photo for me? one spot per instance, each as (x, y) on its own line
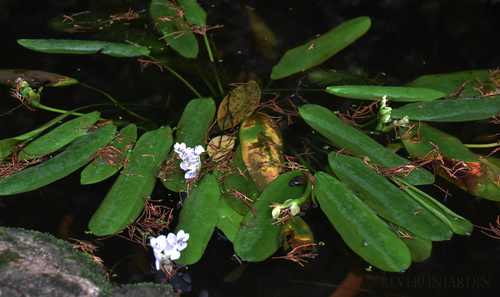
(157, 264)
(175, 255)
(185, 165)
(158, 242)
(191, 174)
(182, 245)
(171, 239)
(182, 236)
(199, 150)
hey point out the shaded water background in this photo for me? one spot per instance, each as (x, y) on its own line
(407, 39)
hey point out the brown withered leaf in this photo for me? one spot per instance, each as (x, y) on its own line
(238, 105)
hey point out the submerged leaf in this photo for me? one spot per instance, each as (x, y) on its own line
(238, 105)
(264, 37)
(320, 49)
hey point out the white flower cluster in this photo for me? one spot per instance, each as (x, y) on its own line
(168, 248)
(190, 159)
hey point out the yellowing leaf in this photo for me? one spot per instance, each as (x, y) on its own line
(261, 149)
(238, 105)
(220, 146)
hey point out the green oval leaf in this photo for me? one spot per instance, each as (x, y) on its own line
(450, 82)
(356, 142)
(101, 168)
(386, 199)
(125, 200)
(450, 110)
(241, 181)
(359, 227)
(74, 157)
(169, 22)
(195, 121)
(6, 144)
(198, 217)
(258, 239)
(424, 141)
(456, 223)
(398, 94)
(320, 49)
(61, 135)
(83, 47)
(194, 14)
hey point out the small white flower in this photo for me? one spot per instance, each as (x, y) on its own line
(190, 157)
(178, 243)
(162, 250)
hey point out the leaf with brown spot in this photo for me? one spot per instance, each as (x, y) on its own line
(261, 149)
(238, 105)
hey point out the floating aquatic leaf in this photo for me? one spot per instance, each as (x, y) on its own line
(112, 159)
(170, 23)
(83, 47)
(450, 82)
(36, 78)
(359, 227)
(398, 94)
(193, 12)
(198, 218)
(258, 239)
(356, 142)
(239, 104)
(450, 110)
(240, 181)
(385, 199)
(261, 149)
(220, 146)
(59, 166)
(320, 49)
(195, 121)
(124, 202)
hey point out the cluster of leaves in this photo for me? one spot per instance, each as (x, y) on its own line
(367, 191)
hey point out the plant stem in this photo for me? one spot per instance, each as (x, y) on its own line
(72, 112)
(114, 101)
(198, 95)
(485, 145)
(207, 45)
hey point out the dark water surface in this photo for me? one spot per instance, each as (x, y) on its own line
(407, 39)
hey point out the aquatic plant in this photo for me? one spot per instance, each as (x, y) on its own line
(368, 192)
